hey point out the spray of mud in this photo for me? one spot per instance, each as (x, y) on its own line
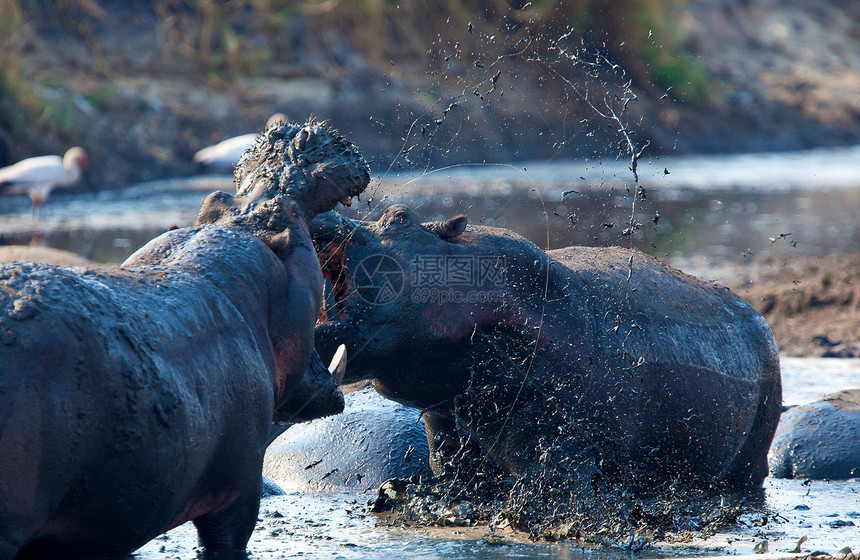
(563, 496)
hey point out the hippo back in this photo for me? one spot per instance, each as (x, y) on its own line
(373, 440)
(98, 387)
(819, 440)
(687, 360)
(651, 369)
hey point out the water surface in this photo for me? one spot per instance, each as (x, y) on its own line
(711, 206)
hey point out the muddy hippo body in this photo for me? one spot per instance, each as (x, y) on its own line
(372, 441)
(581, 356)
(113, 393)
(135, 398)
(819, 440)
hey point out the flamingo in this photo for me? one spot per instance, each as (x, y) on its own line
(38, 176)
(224, 155)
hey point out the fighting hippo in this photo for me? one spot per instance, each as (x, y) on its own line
(595, 361)
(819, 440)
(135, 398)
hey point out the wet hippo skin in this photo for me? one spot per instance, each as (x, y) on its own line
(819, 440)
(135, 398)
(584, 360)
(373, 440)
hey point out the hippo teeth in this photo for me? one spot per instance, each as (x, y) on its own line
(337, 368)
(346, 201)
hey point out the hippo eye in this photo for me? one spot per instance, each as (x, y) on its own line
(400, 217)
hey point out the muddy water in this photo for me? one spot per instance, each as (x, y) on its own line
(339, 526)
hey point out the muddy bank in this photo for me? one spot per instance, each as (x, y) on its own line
(341, 526)
(812, 303)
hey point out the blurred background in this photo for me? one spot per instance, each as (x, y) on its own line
(722, 136)
(144, 84)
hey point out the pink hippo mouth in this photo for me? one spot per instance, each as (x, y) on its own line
(337, 285)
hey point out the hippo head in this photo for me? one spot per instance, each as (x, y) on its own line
(292, 173)
(401, 293)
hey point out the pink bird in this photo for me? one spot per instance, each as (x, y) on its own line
(38, 176)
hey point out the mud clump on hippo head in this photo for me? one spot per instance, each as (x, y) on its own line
(311, 164)
(293, 172)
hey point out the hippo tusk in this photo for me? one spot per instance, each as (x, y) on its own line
(346, 201)
(337, 368)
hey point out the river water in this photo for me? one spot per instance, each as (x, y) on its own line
(707, 206)
(694, 209)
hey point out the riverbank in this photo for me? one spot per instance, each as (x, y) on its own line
(811, 302)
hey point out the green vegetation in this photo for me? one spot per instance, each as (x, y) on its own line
(10, 76)
(103, 96)
(228, 40)
(23, 102)
(656, 41)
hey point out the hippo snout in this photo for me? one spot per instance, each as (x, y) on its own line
(331, 226)
(316, 394)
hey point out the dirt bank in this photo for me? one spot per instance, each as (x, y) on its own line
(812, 303)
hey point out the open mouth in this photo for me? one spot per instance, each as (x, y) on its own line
(336, 282)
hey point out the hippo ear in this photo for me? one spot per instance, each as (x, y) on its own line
(215, 207)
(305, 136)
(450, 228)
(280, 244)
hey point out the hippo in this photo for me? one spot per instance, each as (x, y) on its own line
(600, 362)
(819, 440)
(373, 440)
(138, 397)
